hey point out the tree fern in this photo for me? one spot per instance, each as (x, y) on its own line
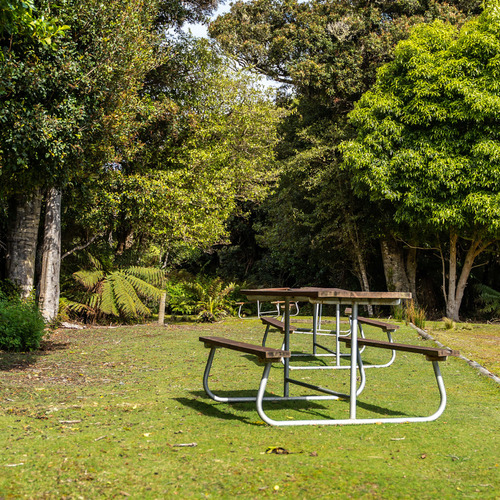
(150, 275)
(144, 288)
(108, 303)
(118, 293)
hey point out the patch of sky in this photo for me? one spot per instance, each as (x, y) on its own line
(200, 30)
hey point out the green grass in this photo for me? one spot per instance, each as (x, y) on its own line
(99, 412)
(478, 342)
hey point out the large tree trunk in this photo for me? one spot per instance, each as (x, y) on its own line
(411, 271)
(394, 265)
(48, 300)
(454, 292)
(24, 219)
(360, 265)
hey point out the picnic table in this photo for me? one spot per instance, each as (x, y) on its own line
(268, 355)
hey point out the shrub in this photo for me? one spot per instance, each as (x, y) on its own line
(212, 298)
(489, 300)
(21, 325)
(180, 299)
(410, 313)
(449, 324)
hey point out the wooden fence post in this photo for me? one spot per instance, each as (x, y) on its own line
(161, 312)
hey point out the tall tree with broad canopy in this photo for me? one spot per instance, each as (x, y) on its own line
(428, 141)
(67, 107)
(325, 54)
(197, 165)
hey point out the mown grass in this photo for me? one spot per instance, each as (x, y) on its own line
(100, 414)
(478, 342)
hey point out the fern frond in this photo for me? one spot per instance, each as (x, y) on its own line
(127, 299)
(77, 307)
(94, 261)
(490, 298)
(151, 275)
(142, 288)
(89, 279)
(108, 297)
(94, 302)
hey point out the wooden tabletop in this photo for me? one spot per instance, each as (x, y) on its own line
(326, 295)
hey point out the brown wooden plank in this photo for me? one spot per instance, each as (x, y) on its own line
(386, 327)
(432, 352)
(277, 324)
(326, 295)
(264, 353)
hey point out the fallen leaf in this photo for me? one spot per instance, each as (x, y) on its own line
(185, 445)
(277, 450)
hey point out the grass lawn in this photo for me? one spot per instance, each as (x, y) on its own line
(102, 413)
(477, 342)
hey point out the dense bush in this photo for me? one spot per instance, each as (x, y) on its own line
(209, 298)
(21, 325)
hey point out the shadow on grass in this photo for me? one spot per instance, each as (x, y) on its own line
(313, 410)
(23, 360)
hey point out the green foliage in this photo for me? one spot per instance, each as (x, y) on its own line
(21, 325)
(9, 290)
(208, 149)
(210, 298)
(180, 299)
(489, 299)
(428, 138)
(213, 300)
(428, 141)
(118, 293)
(17, 18)
(71, 107)
(326, 55)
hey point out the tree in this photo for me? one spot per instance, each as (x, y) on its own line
(68, 108)
(326, 53)
(428, 141)
(199, 162)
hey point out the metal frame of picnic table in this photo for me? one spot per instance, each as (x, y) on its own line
(274, 313)
(317, 331)
(338, 297)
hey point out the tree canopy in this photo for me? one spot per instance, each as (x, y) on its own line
(428, 137)
(326, 54)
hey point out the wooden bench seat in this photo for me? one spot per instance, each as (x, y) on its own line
(276, 323)
(266, 354)
(386, 327)
(432, 353)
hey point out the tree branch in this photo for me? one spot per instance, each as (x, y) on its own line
(81, 247)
